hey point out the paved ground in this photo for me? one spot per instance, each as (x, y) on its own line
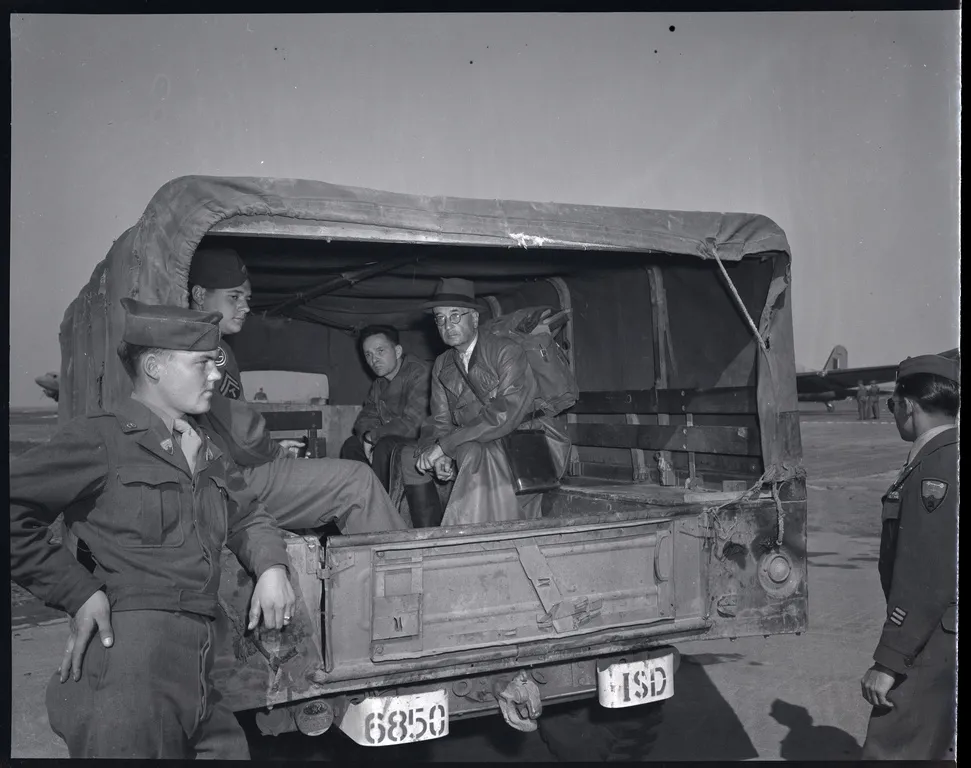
(786, 697)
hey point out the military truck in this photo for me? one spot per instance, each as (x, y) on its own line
(682, 515)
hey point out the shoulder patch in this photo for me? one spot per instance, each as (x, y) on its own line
(221, 358)
(932, 493)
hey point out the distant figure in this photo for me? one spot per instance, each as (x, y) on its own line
(260, 395)
(806, 741)
(912, 683)
(861, 400)
(873, 400)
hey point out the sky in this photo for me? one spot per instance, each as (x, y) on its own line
(841, 127)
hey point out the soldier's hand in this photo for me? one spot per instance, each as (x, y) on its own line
(273, 599)
(876, 684)
(93, 616)
(292, 447)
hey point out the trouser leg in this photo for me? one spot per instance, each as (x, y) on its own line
(409, 472)
(381, 458)
(141, 697)
(303, 494)
(921, 724)
(353, 450)
(424, 504)
(219, 736)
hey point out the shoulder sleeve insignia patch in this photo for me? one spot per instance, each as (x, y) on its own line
(932, 493)
(897, 616)
(220, 357)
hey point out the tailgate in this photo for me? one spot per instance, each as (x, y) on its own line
(497, 590)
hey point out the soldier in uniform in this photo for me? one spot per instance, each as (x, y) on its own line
(912, 682)
(861, 401)
(155, 497)
(873, 400)
(301, 494)
(393, 412)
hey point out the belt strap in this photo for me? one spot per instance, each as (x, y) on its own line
(175, 600)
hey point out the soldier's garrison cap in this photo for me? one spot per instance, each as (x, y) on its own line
(944, 367)
(217, 268)
(155, 325)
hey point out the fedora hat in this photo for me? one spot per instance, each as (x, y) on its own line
(454, 292)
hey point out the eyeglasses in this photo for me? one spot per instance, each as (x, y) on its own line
(891, 404)
(453, 318)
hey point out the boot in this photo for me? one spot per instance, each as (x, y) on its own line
(424, 504)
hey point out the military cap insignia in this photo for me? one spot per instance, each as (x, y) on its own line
(897, 616)
(932, 493)
(167, 445)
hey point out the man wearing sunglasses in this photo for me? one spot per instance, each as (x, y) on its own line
(912, 685)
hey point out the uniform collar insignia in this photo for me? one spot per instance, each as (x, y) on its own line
(167, 445)
(932, 493)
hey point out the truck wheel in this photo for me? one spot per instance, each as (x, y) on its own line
(586, 732)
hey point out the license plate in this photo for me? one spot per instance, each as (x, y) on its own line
(384, 721)
(636, 682)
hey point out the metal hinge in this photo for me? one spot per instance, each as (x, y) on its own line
(340, 562)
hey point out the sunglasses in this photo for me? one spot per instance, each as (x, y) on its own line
(891, 405)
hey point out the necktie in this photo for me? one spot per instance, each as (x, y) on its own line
(188, 440)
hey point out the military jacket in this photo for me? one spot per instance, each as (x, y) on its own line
(918, 552)
(239, 424)
(154, 528)
(397, 407)
(500, 372)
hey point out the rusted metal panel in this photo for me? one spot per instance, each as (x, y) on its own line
(732, 441)
(267, 667)
(496, 594)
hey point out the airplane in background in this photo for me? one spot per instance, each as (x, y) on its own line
(836, 381)
(49, 383)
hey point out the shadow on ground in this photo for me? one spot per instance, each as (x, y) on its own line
(806, 741)
(699, 723)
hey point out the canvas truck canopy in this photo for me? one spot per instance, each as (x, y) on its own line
(325, 260)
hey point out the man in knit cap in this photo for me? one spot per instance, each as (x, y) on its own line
(300, 494)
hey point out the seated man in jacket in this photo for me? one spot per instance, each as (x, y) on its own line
(300, 494)
(460, 438)
(155, 497)
(392, 415)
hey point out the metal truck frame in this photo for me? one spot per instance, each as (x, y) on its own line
(683, 513)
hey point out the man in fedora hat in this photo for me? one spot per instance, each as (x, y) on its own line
(912, 684)
(460, 439)
(156, 498)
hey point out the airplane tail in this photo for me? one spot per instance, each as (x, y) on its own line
(838, 359)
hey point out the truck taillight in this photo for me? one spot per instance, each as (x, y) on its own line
(778, 574)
